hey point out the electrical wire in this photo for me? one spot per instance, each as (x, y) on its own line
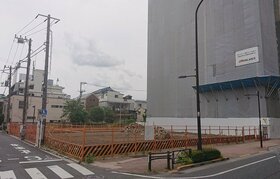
(34, 27)
(10, 51)
(26, 25)
(116, 88)
(36, 32)
(51, 48)
(15, 54)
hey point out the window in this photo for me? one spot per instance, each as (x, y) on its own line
(116, 96)
(21, 104)
(56, 106)
(31, 86)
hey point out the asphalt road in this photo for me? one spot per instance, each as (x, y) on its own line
(261, 166)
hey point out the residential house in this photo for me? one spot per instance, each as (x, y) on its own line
(55, 99)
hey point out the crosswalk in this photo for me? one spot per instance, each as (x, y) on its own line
(58, 170)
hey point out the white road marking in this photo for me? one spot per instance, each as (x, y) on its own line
(136, 175)
(35, 173)
(80, 169)
(13, 158)
(7, 175)
(40, 161)
(198, 177)
(0, 161)
(60, 172)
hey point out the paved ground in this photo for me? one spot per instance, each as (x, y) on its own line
(22, 161)
(140, 165)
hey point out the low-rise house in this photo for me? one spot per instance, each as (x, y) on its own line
(55, 99)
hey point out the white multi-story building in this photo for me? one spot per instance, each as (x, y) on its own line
(55, 98)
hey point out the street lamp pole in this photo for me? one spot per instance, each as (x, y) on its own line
(199, 142)
(260, 122)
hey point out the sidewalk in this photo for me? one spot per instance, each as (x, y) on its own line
(140, 165)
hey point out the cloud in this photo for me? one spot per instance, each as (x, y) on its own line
(85, 53)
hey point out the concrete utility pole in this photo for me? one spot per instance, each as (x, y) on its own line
(81, 89)
(45, 85)
(9, 69)
(26, 91)
(10, 94)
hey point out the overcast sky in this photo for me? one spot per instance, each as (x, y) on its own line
(101, 42)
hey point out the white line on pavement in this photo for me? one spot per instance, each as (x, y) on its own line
(80, 169)
(60, 172)
(136, 175)
(13, 158)
(0, 161)
(40, 161)
(35, 173)
(7, 175)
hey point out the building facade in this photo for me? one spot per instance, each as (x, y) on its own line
(238, 55)
(55, 99)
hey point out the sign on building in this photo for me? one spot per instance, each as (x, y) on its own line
(247, 56)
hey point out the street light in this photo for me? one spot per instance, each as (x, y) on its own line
(260, 122)
(199, 141)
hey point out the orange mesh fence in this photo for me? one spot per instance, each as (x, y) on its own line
(79, 141)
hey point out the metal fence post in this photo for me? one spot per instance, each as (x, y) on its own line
(243, 134)
(83, 144)
(168, 160)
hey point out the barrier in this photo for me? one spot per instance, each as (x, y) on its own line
(81, 141)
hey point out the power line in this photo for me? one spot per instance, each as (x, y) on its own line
(120, 89)
(15, 55)
(34, 27)
(26, 25)
(36, 32)
(10, 51)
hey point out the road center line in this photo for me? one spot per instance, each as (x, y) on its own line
(40, 161)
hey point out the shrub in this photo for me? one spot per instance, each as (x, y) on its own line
(211, 154)
(205, 155)
(197, 156)
(90, 158)
(184, 158)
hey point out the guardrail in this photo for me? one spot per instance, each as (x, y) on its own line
(169, 156)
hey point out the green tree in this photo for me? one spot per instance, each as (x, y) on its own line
(96, 114)
(101, 114)
(74, 111)
(109, 115)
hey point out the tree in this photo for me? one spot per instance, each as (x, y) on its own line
(109, 115)
(96, 114)
(101, 114)
(74, 111)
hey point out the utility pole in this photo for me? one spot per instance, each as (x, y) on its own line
(81, 89)
(26, 91)
(10, 94)
(45, 85)
(7, 117)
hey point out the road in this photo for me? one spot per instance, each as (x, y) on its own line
(260, 166)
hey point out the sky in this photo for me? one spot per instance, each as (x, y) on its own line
(101, 42)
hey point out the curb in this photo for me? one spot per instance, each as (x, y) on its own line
(200, 164)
